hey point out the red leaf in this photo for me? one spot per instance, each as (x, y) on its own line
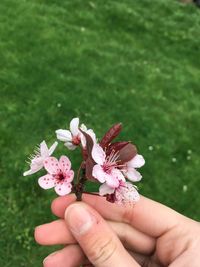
(89, 143)
(116, 147)
(127, 153)
(89, 167)
(111, 134)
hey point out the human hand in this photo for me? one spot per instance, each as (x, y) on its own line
(151, 233)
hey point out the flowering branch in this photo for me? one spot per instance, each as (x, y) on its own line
(108, 163)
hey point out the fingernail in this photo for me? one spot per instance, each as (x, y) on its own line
(79, 219)
(48, 257)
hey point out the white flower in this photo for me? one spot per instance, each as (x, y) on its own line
(37, 160)
(130, 169)
(74, 137)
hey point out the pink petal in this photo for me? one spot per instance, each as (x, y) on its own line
(127, 194)
(63, 189)
(98, 154)
(99, 173)
(44, 149)
(104, 189)
(69, 176)
(137, 162)
(133, 175)
(65, 164)
(74, 124)
(52, 148)
(51, 165)
(112, 180)
(118, 175)
(47, 181)
(64, 135)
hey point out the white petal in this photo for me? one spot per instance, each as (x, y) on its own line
(126, 194)
(65, 164)
(83, 127)
(74, 124)
(70, 146)
(52, 148)
(98, 173)
(92, 135)
(64, 135)
(44, 149)
(63, 189)
(35, 166)
(104, 189)
(51, 164)
(47, 181)
(137, 162)
(98, 154)
(133, 175)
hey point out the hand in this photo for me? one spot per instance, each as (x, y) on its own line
(151, 233)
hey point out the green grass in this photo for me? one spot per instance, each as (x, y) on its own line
(105, 61)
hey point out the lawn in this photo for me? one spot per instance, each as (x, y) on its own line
(135, 62)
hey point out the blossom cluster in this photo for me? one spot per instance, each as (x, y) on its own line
(112, 164)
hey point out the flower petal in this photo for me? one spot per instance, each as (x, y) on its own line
(137, 162)
(35, 166)
(44, 151)
(126, 194)
(63, 189)
(112, 180)
(91, 134)
(52, 148)
(118, 175)
(74, 124)
(98, 173)
(70, 146)
(51, 165)
(65, 164)
(98, 155)
(133, 175)
(64, 135)
(47, 181)
(104, 189)
(69, 176)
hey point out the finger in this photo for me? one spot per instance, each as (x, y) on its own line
(70, 256)
(99, 243)
(146, 215)
(57, 232)
(54, 233)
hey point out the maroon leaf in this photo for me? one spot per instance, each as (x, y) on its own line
(111, 134)
(89, 167)
(116, 147)
(127, 153)
(89, 143)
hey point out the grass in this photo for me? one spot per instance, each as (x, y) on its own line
(105, 61)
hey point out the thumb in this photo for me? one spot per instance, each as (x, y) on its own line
(99, 243)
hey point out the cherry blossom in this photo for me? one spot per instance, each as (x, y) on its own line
(125, 193)
(130, 168)
(73, 137)
(59, 175)
(106, 168)
(37, 160)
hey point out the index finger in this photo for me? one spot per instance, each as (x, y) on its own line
(146, 215)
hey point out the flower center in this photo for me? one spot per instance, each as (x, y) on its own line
(76, 140)
(60, 177)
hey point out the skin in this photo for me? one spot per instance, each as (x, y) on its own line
(95, 232)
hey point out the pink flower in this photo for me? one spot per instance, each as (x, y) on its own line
(37, 160)
(130, 168)
(106, 168)
(74, 137)
(125, 193)
(59, 175)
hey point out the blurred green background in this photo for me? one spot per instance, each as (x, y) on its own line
(137, 62)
